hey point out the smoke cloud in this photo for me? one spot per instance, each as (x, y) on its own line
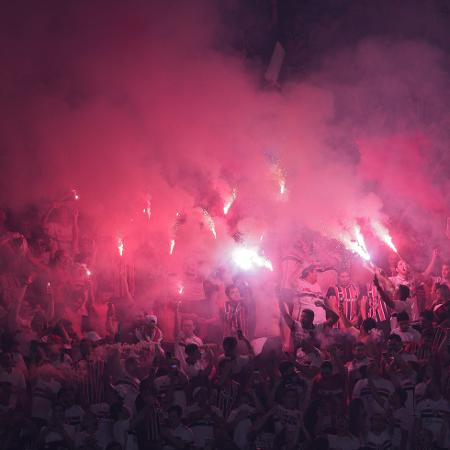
(127, 102)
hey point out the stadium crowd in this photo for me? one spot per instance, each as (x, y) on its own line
(354, 367)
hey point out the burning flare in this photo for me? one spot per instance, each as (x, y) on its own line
(356, 243)
(249, 258)
(210, 222)
(383, 234)
(120, 246)
(148, 210)
(229, 203)
(180, 288)
(75, 194)
(172, 246)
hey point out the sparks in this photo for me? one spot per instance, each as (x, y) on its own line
(172, 246)
(383, 233)
(249, 258)
(210, 222)
(148, 210)
(229, 203)
(356, 243)
(75, 194)
(120, 246)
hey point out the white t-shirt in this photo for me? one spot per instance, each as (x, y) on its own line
(411, 335)
(379, 441)
(203, 428)
(180, 353)
(43, 395)
(307, 295)
(432, 414)
(384, 388)
(243, 427)
(181, 432)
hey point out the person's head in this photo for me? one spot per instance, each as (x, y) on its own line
(394, 343)
(233, 293)
(426, 319)
(174, 415)
(398, 398)
(368, 324)
(344, 278)
(373, 369)
(173, 366)
(310, 274)
(193, 352)
(187, 327)
(403, 321)
(229, 346)
(403, 268)
(378, 423)
(402, 293)
(287, 369)
(442, 293)
(289, 399)
(445, 272)
(200, 395)
(151, 321)
(307, 318)
(326, 369)
(359, 351)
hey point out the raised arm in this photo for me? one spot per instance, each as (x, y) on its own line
(385, 296)
(285, 315)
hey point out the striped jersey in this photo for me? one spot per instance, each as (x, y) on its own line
(225, 397)
(376, 307)
(347, 299)
(235, 318)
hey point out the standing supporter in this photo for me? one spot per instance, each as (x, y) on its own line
(374, 307)
(346, 296)
(308, 294)
(407, 333)
(235, 313)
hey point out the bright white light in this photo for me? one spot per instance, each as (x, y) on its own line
(383, 233)
(230, 201)
(180, 288)
(282, 184)
(210, 222)
(172, 246)
(120, 246)
(249, 258)
(356, 243)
